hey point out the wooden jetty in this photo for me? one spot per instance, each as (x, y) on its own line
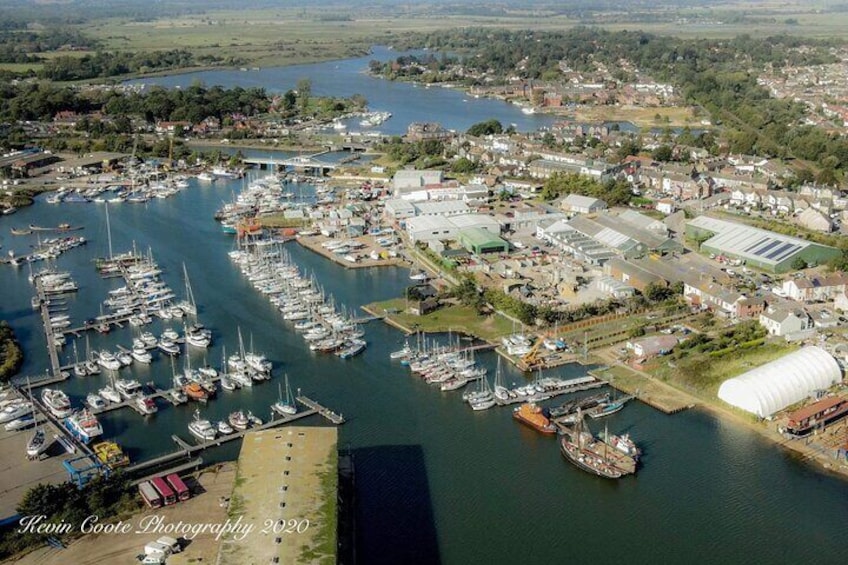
(322, 410)
(187, 449)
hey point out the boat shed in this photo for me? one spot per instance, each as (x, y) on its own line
(759, 248)
(781, 383)
(480, 241)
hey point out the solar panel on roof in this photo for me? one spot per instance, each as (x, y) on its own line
(780, 250)
(766, 248)
(759, 241)
(787, 253)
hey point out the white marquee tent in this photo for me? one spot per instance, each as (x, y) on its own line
(785, 381)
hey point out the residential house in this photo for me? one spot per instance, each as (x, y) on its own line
(784, 321)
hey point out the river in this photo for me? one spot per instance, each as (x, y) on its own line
(436, 482)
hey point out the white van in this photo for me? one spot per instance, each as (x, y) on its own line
(156, 548)
(172, 544)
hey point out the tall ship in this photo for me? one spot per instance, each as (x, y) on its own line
(532, 415)
(84, 426)
(592, 455)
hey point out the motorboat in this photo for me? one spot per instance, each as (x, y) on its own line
(202, 429)
(108, 361)
(169, 347)
(128, 388)
(95, 401)
(170, 334)
(109, 393)
(14, 411)
(142, 355)
(57, 402)
(84, 426)
(195, 391)
(125, 359)
(148, 338)
(21, 423)
(224, 428)
(146, 405)
(239, 420)
(177, 396)
(37, 444)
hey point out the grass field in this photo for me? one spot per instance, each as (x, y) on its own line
(642, 117)
(450, 318)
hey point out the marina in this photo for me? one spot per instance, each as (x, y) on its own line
(431, 440)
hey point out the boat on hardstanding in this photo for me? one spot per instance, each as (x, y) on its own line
(37, 443)
(202, 429)
(57, 402)
(285, 407)
(534, 416)
(83, 425)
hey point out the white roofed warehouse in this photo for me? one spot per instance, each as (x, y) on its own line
(783, 382)
(759, 248)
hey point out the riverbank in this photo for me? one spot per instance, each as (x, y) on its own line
(668, 397)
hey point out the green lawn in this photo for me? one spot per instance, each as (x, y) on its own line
(450, 318)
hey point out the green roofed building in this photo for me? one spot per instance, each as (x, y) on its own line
(758, 248)
(479, 241)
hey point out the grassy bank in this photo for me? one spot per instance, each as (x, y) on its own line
(11, 355)
(462, 319)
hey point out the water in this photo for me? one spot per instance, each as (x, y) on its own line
(408, 103)
(437, 482)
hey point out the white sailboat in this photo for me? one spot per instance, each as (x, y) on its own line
(287, 407)
(501, 392)
(37, 443)
(188, 305)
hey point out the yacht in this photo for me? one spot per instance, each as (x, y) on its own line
(197, 339)
(21, 423)
(148, 338)
(110, 394)
(84, 426)
(14, 411)
(142, 355)
(239, 420)
(108, 361)
(125, 359)
(128, 388)
(224, 428)
(170, 334)
(177, 396)
(169, 347)
(146, 405)
(202, 429)
(227, 384)
(57, 402)
(95, 401)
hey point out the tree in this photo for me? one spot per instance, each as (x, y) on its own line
(463, 165)
(304, 91)
(799, 264)
(489, 127)
(662, 153)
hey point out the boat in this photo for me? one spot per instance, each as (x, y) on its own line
(238, 420)
(149, 339)
(21, 423)
(57, 402)
(169, 347)
(534, 416)
(108, 361)
(83, 425)
(37, 443)
(254, 420)
(177, 396)
(228, 384)
(419, 276)
(146, 405)
(128, 388)
(202, 429)
(125, 359)
(14, 411)
(285, 407)
(195, 391)
(110, 454)
(205, 177)
(20, 231)
(109, 393)
(579, 446)
(142, 355)
(224, 428)
(95, 401)
(356, 347)
(401, 353)
(622, 443)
